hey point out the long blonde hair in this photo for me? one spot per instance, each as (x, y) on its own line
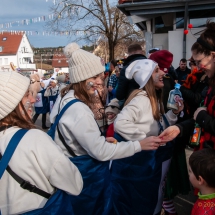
(154, 96)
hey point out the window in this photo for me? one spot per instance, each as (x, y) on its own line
(59, 61)
(4, 38)
(201, 22)
(6, 61)
(0, 61)
(199, 18)
(1, 49)
(26, 60)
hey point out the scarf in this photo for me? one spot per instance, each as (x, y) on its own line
(192, 78)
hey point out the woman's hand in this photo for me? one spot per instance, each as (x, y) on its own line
(150, 143)
(198, 110)
(180, 106)
(169, 134)
(111, 140)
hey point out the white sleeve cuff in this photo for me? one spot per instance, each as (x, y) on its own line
(137, 146)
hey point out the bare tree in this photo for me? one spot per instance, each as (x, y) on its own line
(92, 19)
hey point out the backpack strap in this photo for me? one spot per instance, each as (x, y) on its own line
(6, 158)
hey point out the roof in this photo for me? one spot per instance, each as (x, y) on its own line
(149, 7)
(10, 43)
(59, 61)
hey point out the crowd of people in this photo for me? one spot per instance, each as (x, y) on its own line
(114, 147)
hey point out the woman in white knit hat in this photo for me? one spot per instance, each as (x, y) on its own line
(137, 182)
(77, 133)
(36, 177)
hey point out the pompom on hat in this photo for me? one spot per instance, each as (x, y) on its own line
(13, 87)
(61, 78)
(140, 71)
(164, 59)
(82, 64)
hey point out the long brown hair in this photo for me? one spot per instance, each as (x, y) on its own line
(80, 91)
(16, 118)
(209, 37)
(155, 97)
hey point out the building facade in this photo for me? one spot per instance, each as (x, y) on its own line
(164, 22)
(16, 52)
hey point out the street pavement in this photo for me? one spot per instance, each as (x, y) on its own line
(183, 203)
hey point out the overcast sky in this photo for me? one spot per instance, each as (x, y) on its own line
(18, 10)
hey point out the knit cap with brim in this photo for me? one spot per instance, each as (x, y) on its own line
(140, 71)
(13, 87)
(113, 107)
(82, 64)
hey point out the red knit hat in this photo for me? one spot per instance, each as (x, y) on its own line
(164, 59)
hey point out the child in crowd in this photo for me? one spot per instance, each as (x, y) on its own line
(52, 92)
(111, 112)
(202, 176)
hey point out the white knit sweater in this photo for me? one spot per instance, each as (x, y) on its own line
(40, 161)
(136, 122)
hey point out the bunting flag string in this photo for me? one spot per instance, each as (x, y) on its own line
(47, 33)
(71, 10)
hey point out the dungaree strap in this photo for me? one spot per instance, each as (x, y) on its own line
(10, 149)
(58, 130)
(5, 159)
(58, 117)
(165, 121)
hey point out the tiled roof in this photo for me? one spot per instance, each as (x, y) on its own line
(10, 43)
(59, 60)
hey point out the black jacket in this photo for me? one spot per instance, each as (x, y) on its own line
(182, 75)
(206, 121)
(193, 96)
(126, 86)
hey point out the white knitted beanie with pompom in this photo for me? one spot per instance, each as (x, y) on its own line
(13, 87)
(82, 64)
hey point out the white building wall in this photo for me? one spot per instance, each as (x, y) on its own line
(175, 40)
(25, 51)
(6, 60)
(160, 41)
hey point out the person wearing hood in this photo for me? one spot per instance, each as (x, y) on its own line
(137, 182)
(126, 86)
(79, 137)
(36, 177)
